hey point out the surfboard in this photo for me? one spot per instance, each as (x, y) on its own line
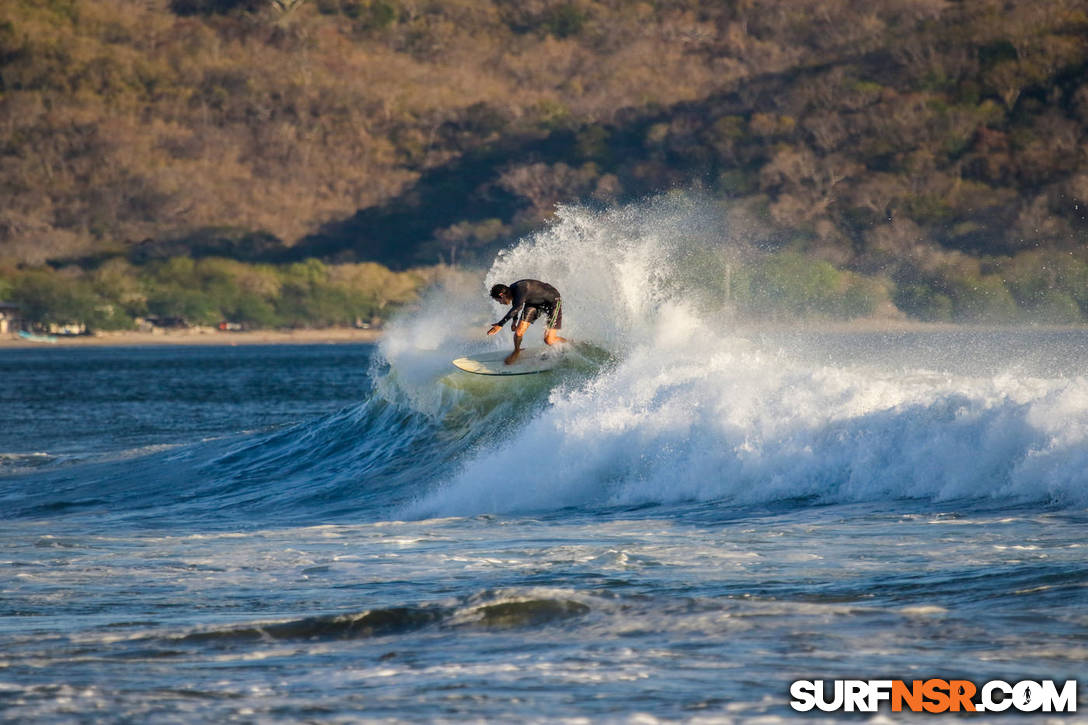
(531, 361)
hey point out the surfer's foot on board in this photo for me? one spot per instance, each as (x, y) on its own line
(512, 357)
(551, 338)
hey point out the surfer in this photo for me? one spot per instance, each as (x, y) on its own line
(528, 298)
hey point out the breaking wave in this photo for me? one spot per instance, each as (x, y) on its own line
(689, 404)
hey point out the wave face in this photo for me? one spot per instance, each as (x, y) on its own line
(692, 404)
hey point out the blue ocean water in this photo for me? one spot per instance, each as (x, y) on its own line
(670, 531)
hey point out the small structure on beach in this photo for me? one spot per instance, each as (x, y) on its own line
(67, 329)
(11, 320)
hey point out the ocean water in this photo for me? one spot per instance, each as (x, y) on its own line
(672, 530)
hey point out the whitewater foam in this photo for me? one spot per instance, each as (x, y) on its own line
(694, 411)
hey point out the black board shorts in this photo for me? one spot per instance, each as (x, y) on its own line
(555, 315)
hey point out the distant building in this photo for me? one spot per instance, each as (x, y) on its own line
(10, 319)
(67, 329)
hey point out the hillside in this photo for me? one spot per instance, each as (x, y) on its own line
(938, 146)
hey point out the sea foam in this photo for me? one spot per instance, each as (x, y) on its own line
(700, 406)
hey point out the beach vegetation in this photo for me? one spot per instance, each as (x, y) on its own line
(790, 284)
(118, 295)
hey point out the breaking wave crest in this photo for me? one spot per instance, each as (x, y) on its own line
(702, 407)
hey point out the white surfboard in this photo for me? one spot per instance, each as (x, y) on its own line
(532, 360)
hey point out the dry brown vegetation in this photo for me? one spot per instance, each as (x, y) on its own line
(125, 118)
(937, 144)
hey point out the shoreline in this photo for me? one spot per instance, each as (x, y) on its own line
(200, 336)
(349, 335)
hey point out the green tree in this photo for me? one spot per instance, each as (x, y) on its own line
(46, 298)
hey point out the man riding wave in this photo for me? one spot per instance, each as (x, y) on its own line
(528, 299)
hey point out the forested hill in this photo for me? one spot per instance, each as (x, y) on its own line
(929, 141)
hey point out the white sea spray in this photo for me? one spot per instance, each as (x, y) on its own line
(699, 406)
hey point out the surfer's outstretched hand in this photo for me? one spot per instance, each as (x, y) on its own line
(494, 329)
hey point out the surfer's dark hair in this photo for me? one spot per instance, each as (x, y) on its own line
(499, 289)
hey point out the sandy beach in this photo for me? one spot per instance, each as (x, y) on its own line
(340, 335)
(200, 336)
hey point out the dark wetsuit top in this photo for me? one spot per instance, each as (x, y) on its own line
(530, 298)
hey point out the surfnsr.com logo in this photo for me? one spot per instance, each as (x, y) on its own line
(933, 695)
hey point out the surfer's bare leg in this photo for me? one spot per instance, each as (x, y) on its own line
(519, 333)
(551, 337)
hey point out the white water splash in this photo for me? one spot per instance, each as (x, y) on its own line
(694, 411)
